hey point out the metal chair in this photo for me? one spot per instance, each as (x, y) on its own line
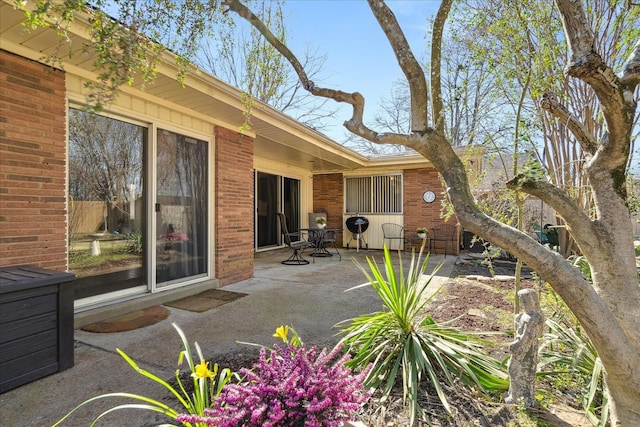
(329, 237)
(393, 232)
(297, 246)
(446, 233)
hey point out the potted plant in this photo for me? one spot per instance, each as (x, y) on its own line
(321, 221)
(422, 232)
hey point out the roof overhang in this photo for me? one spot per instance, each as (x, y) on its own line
(278, 137)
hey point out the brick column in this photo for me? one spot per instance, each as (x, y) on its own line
(33, 147)
(234, 193)
(328, 193)
(417, 212)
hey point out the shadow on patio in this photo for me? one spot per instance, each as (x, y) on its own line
(310, 297)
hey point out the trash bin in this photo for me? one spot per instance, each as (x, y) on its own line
(467, 238)
(36, 324)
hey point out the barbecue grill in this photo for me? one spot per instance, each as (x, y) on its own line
(357, 225)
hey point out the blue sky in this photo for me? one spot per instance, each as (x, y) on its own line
(359, 57)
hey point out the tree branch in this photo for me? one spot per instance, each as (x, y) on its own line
(587, 65)
(631, 69)
(584, 62)
(436, 59)
(408, 63)
(582, 228)
(550, 103)
(355, 99)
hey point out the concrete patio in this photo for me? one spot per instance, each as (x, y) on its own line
(309, 297)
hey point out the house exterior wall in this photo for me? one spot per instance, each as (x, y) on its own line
(33, 211)
(33, 146)
(234, 217)
(144, 109)
(328, 194)
(417, 213)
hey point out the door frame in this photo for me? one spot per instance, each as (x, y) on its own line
(152, 228)
(280, 207)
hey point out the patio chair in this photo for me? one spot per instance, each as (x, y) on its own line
(295, 242)
(329, 237)
(393, 232)
(445, 233)
(323, 238)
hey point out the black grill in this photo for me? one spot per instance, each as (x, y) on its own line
(357, 225)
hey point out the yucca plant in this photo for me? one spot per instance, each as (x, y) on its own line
(404, 341)
(567, 351)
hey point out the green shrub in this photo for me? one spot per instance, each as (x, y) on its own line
(567, 356)
(403, 341)
(134, 243)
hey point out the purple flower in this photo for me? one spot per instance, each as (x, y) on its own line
(290, 386)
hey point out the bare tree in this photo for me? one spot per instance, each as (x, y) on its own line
(607, 309)
(242, 57)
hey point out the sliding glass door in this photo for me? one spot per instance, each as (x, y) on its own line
(275, 193)
(181, 208)
(117, 178)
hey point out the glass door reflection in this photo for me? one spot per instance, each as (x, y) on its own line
(181, 208)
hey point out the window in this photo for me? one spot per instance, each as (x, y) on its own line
(106, 216)
(182, 207)
(374, 194)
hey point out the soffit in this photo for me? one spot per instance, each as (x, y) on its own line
(277, 136)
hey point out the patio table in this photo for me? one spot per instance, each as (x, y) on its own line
(415, 239)
(317, 237)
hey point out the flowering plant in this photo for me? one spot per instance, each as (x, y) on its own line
(282, 332)
(321, 220)
(289, 386)
(421, 230)
(207, 384)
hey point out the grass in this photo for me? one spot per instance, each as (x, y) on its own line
(83, 263)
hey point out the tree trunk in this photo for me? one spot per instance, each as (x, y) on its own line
(608, 309)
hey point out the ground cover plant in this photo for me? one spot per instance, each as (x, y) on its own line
(206, 385)
(290, 385)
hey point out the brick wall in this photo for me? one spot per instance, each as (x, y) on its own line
(328, 193)
(33, 147)
(417, 212)
(234, 206)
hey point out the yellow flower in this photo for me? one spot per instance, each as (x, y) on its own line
(202, 370)
(282, 332)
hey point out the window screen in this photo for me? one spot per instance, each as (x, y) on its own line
(374, 194)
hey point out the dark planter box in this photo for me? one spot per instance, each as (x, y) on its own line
(36, 324)
(478, 246)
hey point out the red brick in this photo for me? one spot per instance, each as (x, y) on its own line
(32, 164)
(234, 206)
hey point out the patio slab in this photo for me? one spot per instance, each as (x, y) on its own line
(311, 298)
